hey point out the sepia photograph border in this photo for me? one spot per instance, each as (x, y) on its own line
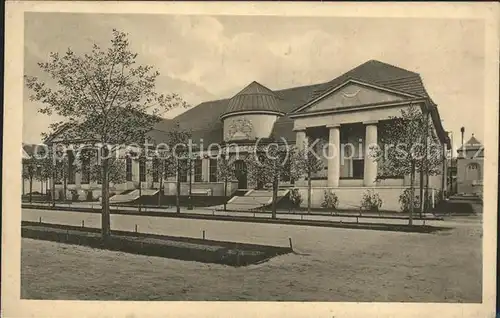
(13, 306)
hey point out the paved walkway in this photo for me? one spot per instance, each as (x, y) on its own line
(204, 211)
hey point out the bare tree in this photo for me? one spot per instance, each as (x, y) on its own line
(266, 164)
(226, 173)
(105, 97)
(407, 146)
(308, 163)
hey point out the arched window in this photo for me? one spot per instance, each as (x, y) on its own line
(473, 172)
(473, 166)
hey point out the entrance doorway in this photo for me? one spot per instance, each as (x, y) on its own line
(240, 168)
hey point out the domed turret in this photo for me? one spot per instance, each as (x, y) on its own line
(255, 98)
(251, 113)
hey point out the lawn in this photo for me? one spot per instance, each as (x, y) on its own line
(330, 264)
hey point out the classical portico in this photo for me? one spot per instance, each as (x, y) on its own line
(338, 152)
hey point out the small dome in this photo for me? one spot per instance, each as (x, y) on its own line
(253, 98)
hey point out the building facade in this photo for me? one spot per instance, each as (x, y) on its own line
(350, 109)
(470, 168)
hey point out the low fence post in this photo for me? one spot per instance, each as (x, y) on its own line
(290, 241)
(40, 220)
(203, 234)
(83, 223)
(136, 228)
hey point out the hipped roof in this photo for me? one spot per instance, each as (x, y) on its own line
(204, 120)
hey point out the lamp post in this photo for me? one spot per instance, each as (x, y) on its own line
(451, 161)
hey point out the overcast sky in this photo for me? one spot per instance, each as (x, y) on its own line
(210, 57)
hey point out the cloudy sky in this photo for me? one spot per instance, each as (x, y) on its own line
(210, 57)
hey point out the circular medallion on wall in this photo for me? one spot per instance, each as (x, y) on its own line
(240, 128)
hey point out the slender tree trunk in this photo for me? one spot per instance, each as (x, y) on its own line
(178, 188)
(53, 186)
(31, 189)
(412, 193)
(275, 196)
(140, 194)
(159, 192)
(24, 190)
(64, 187)
(426, 163)
(190, 198)
(422, 201)
(41, 186)
(309, 192)
(225, 193)
(105, 215)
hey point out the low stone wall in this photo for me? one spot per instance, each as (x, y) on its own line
(183, 248)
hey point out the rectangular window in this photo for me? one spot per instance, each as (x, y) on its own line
(198, 174)
(156, 169)
(128, 171)
(142, 170)
(71, 167)
(85, 171)
(183, 171)
(358, 168)
(213, 170)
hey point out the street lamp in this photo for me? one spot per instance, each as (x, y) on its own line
(451, 161)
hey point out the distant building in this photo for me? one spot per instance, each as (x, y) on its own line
(470, 167)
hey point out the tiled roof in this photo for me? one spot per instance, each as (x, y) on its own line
(472, 144)
(204, 120)
(254, 97)
(382, 74)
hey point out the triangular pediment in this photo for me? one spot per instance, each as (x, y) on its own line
(353, 93)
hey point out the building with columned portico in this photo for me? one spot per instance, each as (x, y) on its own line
(350, 109)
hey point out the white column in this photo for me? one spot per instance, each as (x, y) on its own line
(135, 170)
(333, 155)
(205, 169)
(370, 172)
(301, 142)
(301, 138)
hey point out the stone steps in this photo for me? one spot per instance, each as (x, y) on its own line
(254, 200)
(132, 195)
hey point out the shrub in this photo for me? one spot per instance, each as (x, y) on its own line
(404, 201)
(74, 195)
(295, 198)
(330, 200)
(371, 201)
